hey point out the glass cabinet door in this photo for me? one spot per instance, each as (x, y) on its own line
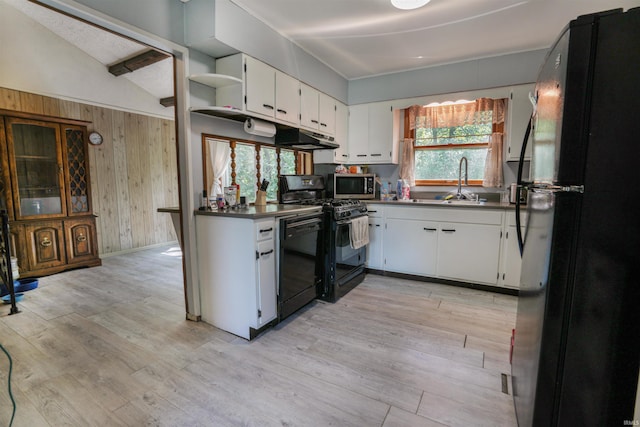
(37, 171)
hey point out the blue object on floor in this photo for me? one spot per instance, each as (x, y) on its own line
(24, 285)
(20, 285)
(7, 298)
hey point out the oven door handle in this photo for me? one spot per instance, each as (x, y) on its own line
(348, 220)
(304, 222)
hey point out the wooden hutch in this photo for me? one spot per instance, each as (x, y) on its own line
(45, 188)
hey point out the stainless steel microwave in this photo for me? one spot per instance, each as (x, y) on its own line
(353, 186)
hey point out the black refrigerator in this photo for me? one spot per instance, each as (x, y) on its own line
(576, 345)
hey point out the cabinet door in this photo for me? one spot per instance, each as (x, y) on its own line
(287, 98)
(327, 114)
(80, 239)
(260, 87)
(518, 114)
(511, 260)
(6, 201)
(267, 299)
(342, 133)
(309, 107)
(341, 154)
(374, 250)
(18, 246)
(469, 252)
(381, 132)
(411, 246)
(359, 134)
(36, 166)
(45, 244)
(77, 170)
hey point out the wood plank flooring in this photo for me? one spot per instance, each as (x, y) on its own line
(110, 346)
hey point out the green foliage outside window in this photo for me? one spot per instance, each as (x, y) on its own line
(438, 151)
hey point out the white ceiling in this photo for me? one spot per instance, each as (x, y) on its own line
(361, 38)
(103, 46)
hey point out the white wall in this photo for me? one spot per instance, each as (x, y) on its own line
(160, 17)
(506, 70)
(38, 61)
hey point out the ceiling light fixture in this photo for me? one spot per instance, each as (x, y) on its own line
(409, 4)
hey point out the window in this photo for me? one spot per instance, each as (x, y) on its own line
(445, 133)
(247, 163)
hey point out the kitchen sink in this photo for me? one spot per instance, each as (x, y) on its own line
(463, 202)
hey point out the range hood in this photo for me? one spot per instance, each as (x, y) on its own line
(304, 139)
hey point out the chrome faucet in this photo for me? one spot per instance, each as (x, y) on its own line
(466, 176)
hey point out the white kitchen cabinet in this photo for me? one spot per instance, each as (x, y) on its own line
(339, 155)
(510, 259)
(317, 111)
(264, 92)
(359, 134)
(421, 240)
(411, 246)
(260, 87)
(287, 98)
(375, 249)
(237, 268)
(469, 252)
(373, 133)
(518, 113)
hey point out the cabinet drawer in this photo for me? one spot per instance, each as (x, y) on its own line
(375, 211)
(264, 230)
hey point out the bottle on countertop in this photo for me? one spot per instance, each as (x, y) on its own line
(204, 202)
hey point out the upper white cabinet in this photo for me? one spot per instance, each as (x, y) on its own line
(518, 113)
(287, 98)
(260, 87)
(373, 133)
(317, 111)
(341, 154)
(246, 86)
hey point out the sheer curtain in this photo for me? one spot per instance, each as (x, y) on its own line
(219, 160)
(480, 111)
(407, 162)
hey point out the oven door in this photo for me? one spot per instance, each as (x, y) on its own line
(349, 262)
(300, 243)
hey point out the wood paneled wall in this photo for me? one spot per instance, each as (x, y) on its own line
(133, 173)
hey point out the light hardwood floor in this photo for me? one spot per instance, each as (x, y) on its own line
(110, 346)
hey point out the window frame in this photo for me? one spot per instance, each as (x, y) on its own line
(411, 133)
(303, 158)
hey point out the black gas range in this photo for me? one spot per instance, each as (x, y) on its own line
(340, 265)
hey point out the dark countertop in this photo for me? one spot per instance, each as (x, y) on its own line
(442, 204)
(255, 212)
(170, 209)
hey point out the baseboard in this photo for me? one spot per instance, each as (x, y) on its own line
(141, 248)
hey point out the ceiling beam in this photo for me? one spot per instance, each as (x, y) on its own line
(135, 63)
(168, 102)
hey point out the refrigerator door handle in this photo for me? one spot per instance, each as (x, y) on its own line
(561, 188)
(521, 184)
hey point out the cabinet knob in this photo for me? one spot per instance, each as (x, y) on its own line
(81, 238)
(45, 242)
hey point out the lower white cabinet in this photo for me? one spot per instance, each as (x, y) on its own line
(444, 242)
(411, 246)
(237, 268)
(374, 250)
(510, 259)
(469, 252)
